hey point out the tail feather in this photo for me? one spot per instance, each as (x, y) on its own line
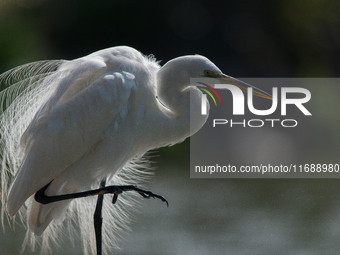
(40, 216)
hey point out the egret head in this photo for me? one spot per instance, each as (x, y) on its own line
(177, 74)
(181, 69)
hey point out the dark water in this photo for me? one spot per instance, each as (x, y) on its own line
(221, 216)
(240, 217)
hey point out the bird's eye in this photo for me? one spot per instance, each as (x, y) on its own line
(207, 73)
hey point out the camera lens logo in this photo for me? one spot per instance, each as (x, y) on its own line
(204, 97)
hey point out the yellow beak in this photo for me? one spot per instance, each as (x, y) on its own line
(243, 86)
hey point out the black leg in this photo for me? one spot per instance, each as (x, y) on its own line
(40, 196)
(98, 220)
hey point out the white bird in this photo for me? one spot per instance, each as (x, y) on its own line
(75, 123)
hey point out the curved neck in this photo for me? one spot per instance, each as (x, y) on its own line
(181, 116)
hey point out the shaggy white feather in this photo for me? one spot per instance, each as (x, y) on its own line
(78, 122)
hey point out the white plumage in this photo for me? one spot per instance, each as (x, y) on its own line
(78, 122)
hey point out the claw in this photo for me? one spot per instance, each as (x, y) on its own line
(114, 199)
(149, 194)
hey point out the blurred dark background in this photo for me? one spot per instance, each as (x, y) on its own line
(244, 38)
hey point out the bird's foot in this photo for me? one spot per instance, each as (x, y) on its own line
(144, 193)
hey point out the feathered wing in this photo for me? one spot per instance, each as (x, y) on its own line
(68, 125)
(47, 101)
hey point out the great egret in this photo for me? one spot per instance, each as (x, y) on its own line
(73, 124)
